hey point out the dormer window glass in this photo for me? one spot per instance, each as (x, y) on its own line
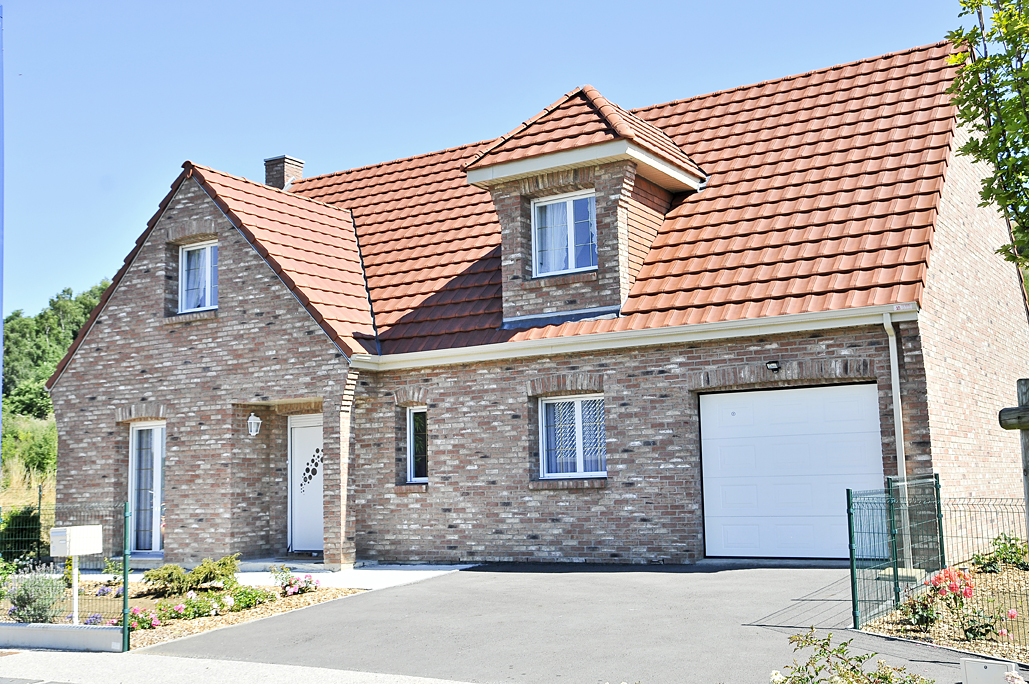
(198, 277)
(564, 234)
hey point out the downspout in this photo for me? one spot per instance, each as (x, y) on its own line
(898, 431)
(898, 414)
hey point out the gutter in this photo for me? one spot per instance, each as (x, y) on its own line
(898, 414)
(627, 339)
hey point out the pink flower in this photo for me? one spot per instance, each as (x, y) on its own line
(967, 592)
(953, 586)
(1003, 632)
(191, 594)
(133, 624)
(179, 608)
(307, 577)
(1012, 614)
(156, 622)
(943, 591)
(135, 610)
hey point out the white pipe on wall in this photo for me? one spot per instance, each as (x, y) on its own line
(898, 414)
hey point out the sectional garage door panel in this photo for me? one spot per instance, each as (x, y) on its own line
(777, 465)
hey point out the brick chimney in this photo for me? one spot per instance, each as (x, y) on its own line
(280, 171)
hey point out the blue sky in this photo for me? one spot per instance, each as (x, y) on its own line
(105, 100)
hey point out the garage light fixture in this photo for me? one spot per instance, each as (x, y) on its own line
(253, 424)
(773, 366)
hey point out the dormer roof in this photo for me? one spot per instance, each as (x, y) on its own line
(584, 128)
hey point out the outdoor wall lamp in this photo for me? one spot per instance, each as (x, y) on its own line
(773, 366)
(253, 424)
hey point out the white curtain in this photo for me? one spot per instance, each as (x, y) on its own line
(196, 279)
(551, 238)
(594, 439)
(559, 437)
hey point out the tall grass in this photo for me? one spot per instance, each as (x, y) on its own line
(29, 460)
(19, 484)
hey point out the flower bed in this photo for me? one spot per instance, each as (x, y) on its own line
(967, 609)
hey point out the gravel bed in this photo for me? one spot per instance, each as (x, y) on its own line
(995, 592)
(175, 629)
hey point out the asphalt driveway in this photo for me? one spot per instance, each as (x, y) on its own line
(707, 623)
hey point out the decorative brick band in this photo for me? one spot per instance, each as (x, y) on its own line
(411, 396)
(592, 483)
(791, 372)
(536, 283)
(192, 230)
(571, 383)
(557, 182)
(147, 410)
(298, 408)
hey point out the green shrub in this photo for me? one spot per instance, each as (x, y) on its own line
(20, 532)
(6, 570)
(922, 611)
(114, 567)
(1006, 550)
(244, 597)
(222, 570)
(835, 664)
(172, 580)
(35, 594)
(167, 580)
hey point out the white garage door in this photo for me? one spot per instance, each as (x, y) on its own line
(777, 464)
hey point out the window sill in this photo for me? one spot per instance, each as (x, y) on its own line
(412, 488)
(189, 317)
(586, 483)
(548, 281)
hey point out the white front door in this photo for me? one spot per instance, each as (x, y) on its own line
(305, 483)
(777, 464)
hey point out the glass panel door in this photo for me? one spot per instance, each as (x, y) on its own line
(146, 487)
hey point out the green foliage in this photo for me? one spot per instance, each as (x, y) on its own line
(114, 567)
(35, 594)
(21, 532)
(1006, 550)
(244, 597)
(29, 440)
(991, 91)
(33, 345)
(66, 575)
(172, 580)
(835, 664)
(6, 570)
(921, 611)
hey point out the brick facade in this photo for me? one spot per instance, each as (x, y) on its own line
(203, 373)
(976, 341)
(629, 212)
(484, 499)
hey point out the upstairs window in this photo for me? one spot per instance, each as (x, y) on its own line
(417, 445)
(564, 234)
(573, 441)
(198, 277)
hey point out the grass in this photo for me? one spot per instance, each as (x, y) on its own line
(19, 485)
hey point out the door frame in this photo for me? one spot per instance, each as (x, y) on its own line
(306, 420)
(157, 535)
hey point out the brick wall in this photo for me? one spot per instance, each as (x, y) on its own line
(203, 373)
(627, 219)
(484, 500)
(976, 341)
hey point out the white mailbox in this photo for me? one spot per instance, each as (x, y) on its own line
(78, 540)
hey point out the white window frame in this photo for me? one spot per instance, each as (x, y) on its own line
(410, 444)
(157, 539)
(566, 197)
(579, 474)
(209, 279)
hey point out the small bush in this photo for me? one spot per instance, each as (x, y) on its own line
(835, 664)
(167, 580)
(1006, 550)
(290, 584)
(21, 532)
(222, 570)
(34, 595)
(113, 566)
(172, 580)
(921, 611)
(244, 597)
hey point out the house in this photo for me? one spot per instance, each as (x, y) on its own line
(610, 335)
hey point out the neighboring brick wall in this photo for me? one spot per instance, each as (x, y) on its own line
(225, 492)
(483, 500)
(976, 341)
(627, 220)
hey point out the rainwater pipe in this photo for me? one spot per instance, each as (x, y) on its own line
(898, 431)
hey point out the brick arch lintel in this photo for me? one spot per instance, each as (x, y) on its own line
(814, 371)
(411, 396)
(146, 410)
(568, 383)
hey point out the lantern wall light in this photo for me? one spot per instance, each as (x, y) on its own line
(253, 424)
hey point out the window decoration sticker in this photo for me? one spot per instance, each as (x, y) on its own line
(311, 469)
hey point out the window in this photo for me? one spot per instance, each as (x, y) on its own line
(572, 438)
(417, 446)
(564, 234)
(146, 486)
(198, 277)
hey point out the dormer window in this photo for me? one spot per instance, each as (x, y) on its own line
(198, 277)
(564, 234)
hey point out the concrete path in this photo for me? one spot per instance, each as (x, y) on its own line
(701, 624)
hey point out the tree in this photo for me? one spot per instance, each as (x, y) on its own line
(991, 92)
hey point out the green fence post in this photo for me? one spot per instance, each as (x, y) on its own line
(126, 555)
(893, 541)
(939, 521)
(853, 561)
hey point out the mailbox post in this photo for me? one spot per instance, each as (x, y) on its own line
(75, 541)
(1017, 418)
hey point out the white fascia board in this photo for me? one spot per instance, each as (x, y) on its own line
(650, 166)
(752, 327)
